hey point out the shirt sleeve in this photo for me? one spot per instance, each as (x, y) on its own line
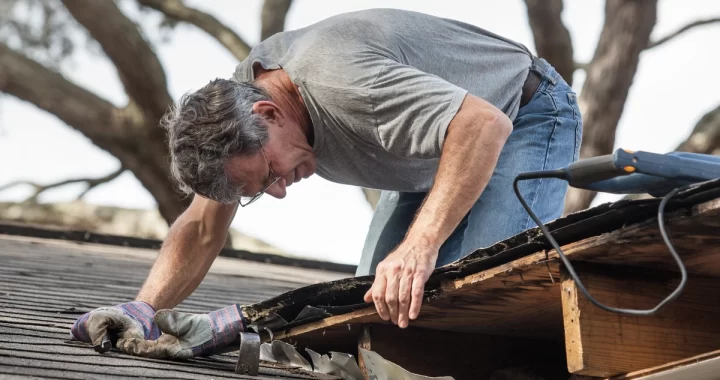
(412, 110)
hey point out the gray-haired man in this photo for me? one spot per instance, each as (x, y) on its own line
(438, 114)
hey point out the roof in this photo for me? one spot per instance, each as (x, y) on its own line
(46, 284)
(83, 235)
(518, 290)
(344, 295)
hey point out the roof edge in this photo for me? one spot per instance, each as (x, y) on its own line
(78, 235)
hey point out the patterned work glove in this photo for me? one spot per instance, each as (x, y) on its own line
(187, 335)
(130, 321)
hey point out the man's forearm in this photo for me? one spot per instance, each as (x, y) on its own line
(181, 265)
(191, 246)
(472, 146)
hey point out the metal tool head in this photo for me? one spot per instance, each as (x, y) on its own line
(249, 356)
(104, 346)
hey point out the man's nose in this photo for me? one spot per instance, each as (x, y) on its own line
(278, 189)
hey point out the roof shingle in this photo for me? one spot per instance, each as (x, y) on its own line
(45, 285)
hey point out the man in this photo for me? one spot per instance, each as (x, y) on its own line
(438, 114)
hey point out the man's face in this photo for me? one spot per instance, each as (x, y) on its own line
(289, 157)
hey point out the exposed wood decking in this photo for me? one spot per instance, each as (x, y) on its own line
(627, 265)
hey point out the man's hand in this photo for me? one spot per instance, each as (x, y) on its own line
(187, 335)
(130, 321)
(475, 138)
(400, 280)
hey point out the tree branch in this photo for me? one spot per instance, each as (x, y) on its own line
(273, 17)
(660, 41)
(92, 183)
(175, 9)
(121, 132)
(30, 81)
(682, 30)
(39, 189)
(625, 34)
(137, 65)
(552, 38)
(705, 137)
(581, 65)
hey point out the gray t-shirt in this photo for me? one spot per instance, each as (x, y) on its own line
(382, 85)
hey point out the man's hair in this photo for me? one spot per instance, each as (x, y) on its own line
(206, 128)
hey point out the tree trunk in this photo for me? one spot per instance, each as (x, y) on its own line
(124, 133)
(625, 34)
(132, 133)
(552, 39)
(273, 16)
(138, 67)
(705, 137)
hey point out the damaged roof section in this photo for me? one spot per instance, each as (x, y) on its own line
(509, 289)
(318, 301)
(45, 285)
(515, 304)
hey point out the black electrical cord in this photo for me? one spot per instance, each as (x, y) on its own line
(560, 173)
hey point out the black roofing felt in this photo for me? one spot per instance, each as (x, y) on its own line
(45, 287)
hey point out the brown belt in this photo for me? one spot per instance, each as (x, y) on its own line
(532, 82)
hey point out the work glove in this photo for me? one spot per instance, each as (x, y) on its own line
(129, 321)
(187, 335)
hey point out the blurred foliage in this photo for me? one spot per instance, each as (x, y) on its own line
(42, 29)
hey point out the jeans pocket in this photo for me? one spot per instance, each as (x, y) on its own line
(572, 100)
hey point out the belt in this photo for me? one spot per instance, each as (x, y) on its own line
(532, 82)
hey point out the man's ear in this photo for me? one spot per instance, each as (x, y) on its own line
(268, 110)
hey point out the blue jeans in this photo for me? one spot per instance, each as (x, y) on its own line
(547, 134)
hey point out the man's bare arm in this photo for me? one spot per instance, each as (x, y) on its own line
(475, 138)
(192, 244)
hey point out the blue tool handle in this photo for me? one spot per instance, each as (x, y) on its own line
(585, 172)
(627, 172)
(638, 183)
(694, 167)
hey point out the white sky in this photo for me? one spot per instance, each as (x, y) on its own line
(675, 85)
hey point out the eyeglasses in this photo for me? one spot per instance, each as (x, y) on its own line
(248, 200)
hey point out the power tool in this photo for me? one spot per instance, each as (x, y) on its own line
(629, 172)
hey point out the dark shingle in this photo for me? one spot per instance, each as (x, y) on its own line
(46, 285)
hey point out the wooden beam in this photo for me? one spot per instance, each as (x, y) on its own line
(352, 320)
(694, 233)
(601, 343)
(701, 367)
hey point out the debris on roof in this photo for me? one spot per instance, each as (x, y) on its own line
(508, 296)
